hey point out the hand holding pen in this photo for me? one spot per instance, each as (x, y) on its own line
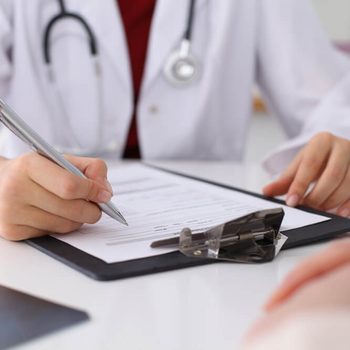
(38, 197)
(50, 193)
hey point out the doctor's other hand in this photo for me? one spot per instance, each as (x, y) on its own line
(324, 163)
(38, 197)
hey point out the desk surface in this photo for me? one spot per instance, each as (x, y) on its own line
(207, 307)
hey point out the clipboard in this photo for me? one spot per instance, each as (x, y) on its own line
(99, 270)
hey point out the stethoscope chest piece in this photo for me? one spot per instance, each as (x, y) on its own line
(181, 67)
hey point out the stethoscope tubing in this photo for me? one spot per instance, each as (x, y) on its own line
(179, 62)
(62, 15)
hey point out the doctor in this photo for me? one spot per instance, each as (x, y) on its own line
(165, 80)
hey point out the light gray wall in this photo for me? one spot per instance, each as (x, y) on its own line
(335, 16)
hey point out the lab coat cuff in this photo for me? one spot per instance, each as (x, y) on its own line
(277, 161)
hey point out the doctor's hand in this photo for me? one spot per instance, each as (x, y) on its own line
(324, 163)
(38, 197)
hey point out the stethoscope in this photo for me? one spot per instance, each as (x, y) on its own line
(180, 69)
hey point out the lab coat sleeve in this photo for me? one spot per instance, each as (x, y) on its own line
(5, 45)
(304, 80)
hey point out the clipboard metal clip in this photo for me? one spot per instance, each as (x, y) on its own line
(252, 238)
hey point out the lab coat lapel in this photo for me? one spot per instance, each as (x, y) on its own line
(168, 27)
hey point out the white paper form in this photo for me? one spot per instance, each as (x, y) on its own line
(158, 205)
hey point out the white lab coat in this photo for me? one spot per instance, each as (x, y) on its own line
(277, 43)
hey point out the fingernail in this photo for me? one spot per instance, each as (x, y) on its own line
(293, 200)
(345, 213)
(108, 185)
(104, 196)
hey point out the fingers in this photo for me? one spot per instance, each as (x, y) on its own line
(37, 196)
(323, 163)
(44, 221)
(77, 210)
(34, 222)
(331, 178)
(94, 169)
(19, 232)
(340, 196)
(281, 185)
(337, 254)
(91, 167)
(64, 184)
(313, 160)
(344, 209)
(20, 220)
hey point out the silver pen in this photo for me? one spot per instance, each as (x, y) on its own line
(21, 129)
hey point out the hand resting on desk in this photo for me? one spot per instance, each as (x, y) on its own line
(38, 196)
(324, 162)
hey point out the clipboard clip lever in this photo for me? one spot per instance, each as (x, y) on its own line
(249, 239)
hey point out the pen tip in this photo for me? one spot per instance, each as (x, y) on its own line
(123, 221)
(113, 212)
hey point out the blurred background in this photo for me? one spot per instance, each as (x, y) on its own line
(265, 132)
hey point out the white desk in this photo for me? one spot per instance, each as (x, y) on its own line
(208, 307)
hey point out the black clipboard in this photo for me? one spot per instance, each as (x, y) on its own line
(102, 271)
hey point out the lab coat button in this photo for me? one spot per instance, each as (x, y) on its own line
(153, 109)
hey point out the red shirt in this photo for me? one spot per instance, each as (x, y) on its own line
(137, 17)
